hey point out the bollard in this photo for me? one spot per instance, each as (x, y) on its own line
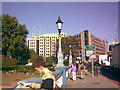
(96, 71)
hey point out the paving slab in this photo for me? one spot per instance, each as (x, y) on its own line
(90, 82)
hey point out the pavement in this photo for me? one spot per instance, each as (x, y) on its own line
(99, 81)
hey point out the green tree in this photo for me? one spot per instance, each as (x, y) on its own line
(34, 56)
(50, 60)
(66, 62)
(14, 38)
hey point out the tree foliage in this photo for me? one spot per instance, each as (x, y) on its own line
(14, 38)
(34, 56)
(50, 60)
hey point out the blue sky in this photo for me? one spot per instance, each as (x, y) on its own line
(100, 18)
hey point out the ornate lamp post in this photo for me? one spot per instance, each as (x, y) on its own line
(70, 57)
(60, 54)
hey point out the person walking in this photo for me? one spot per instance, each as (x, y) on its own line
(74, 69)
(86, 68)
(48, 79)
(77, 65)
(82, 69)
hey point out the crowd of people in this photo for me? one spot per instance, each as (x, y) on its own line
(79, 67)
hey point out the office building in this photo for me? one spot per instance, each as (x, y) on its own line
(87, 38)
(44, 45)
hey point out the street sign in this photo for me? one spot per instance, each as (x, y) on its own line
(93, 56)
(89, 50)
(83, 56)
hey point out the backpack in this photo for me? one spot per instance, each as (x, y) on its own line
(82, 67)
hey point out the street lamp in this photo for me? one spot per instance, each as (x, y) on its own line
(59, 24)
(60, 54)
(70, 57)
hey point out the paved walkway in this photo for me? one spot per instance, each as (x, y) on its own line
(91, 82)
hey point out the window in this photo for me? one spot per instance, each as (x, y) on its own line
(47, 42)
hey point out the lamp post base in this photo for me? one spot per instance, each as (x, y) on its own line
(60, 59)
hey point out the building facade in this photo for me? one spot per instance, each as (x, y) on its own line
(110, 46)
(116, 55)
(87, 38)
(110, 49)
(44, 45)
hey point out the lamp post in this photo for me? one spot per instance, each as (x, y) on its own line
(70, 57)
(60, 54)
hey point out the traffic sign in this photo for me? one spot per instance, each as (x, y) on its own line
(83, 56)
(89, 50)
(89, 47)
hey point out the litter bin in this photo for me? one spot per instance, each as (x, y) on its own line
(95, 70)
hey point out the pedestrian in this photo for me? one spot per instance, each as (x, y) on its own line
(82, 69)
(77, 65)
(73, 68)
(48, 79)
(86, 68)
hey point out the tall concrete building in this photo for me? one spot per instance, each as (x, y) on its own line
(87, 38)
(44, 45)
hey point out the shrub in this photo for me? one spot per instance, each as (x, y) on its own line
(25, 69)
(9, 63)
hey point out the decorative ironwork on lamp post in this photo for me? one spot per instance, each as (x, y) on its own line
(60, 54)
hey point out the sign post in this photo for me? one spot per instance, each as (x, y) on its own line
(89, 51)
